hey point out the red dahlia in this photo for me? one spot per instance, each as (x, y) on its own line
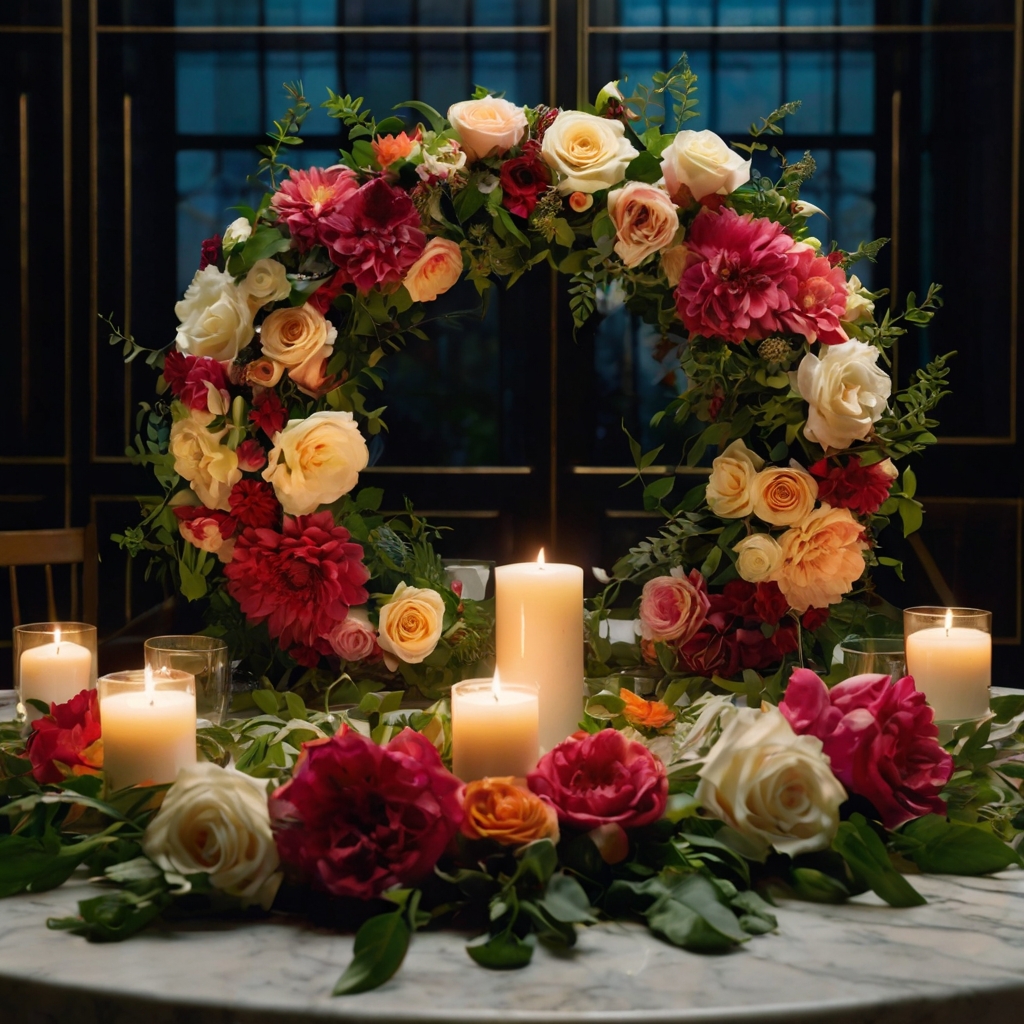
(267, 412)
(254, 504)
(861, 489)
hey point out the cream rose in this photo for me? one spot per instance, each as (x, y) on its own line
(773, 787)
(704, 164)
(266, 282)
(821, 558)
(487, 127)
(211, 468)
(784, 496)
(315, 461)
(214, 821)
(860, 308)
(588, 152)
(215, 319)
(410, 625)
(437, 269)
(293, 335)
(674, 262)
(730, 492)
(236, 233)
(645, 220)
(845, 390)
(759, 557)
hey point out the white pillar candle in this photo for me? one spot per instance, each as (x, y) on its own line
(539, 639)
(149, 732)
(53, 673)
(953, 669)
(494, 729)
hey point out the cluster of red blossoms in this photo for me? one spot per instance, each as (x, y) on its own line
(861, 489)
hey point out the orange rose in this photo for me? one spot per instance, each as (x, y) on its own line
(437, 269)
(821, 558)
(389, 148)
(499, 809)
(784, 496)
(645, 714)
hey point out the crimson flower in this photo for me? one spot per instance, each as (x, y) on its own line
(307, 197)
(69, 735)
(188, 377)
(861, 489)
(325, 295)
(523, 180)
(211, 252)
(254, 504)
(267, 412)
(358, 818)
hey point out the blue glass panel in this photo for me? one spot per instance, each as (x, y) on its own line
(394, 12)
(223, 12)
(690, 12)
(810, 77)
(748, 86)
(218, 93)
(318, 72)
(856, 12)
(808, 12)
(856, 92)
(747, 12)
(299, 12)
(519, 75)
(383, 75)
(508, 12)
(641, 12)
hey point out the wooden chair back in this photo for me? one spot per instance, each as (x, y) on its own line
(73, 546)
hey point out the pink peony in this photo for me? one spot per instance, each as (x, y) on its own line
(880, 738)
(300, 581)
(308, 197)
(358, 818)
(375, 236)
(354, 639)
(735, 290)
(192, 378)
(601, 779)
(209, 529)
(673, 607)
(817, 292)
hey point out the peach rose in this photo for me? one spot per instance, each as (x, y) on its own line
(437, 269)
(646, 714)
(675, 260)
(487, 127)
(498, 809)
(730, 492)
(645, 220)
(784, 496)
(264, 372)
(581, 202)
(821, 558)
(673, 607)
(410, 625)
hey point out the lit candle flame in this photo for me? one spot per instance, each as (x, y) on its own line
(496, 686)
(540, 559)
(949, 620)
(56, 638)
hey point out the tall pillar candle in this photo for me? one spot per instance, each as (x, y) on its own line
(539, 638)
(54, 662)
(494, 729)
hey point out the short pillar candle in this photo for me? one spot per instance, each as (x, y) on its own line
(53, 661)
(494, 729)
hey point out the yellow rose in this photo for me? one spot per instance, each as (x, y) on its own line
(410, 625)
(759, 556)
(498, 809)
(315, 461)
(784, 496)
(730, 492)
(266, 282)
(210, 467)
(487, 127)
(437, 269)
(588, 152)
(645, 220)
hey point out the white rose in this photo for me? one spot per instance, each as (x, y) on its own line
(859, 306)
(730, 492)
(237, 232)
(845, 390)
(410, 625)
(773, 787)
(588, 152)
(759, 556)
(699, 727)
(315, 461)
(490, 126)
(210, 467)
(704, 164)
(266, 282)
(449, 158)
(215, 318)
(215, 821)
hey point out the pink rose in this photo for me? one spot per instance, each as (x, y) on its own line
(208, 529)
(673, 607)
(490, 126)
(354, 639)
(601, 779)
(358, 818)
(881, 740)
(645, 221)
(251, 456)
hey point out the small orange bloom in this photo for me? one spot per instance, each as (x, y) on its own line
(389, 148)
(499, 809)
(647, 714)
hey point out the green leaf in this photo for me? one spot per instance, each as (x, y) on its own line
(949, 847)
(817, 887)
(503, 952)
(565, 900)
(858, 844)
(266, 701)
(113, 916)
(538, 858)
(380, 947)
(912, 515)
(437, 122)
(644, 167)
(295, 705)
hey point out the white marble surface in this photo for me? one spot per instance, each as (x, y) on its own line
(960, 957)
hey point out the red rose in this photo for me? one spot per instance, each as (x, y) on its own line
(861, 489)
(358, 818)
(814, 618)
(769, 604)
(68, 735)
(300, 581)
(880, 738)
(251, 456)
(267, 412)
(523, 180)
(210, 253)
(176, 367)
(601, 779)
(194, 391)
(706, 654)
(374, 236)
(254, 504)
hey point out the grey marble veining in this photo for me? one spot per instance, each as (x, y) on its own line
(959, 958)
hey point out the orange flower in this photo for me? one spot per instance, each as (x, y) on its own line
(389, 148)
(499, 809)
(646, 714)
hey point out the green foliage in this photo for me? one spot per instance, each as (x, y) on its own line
(862, 849)
(678, 84)
(380, 947)
(285, 133)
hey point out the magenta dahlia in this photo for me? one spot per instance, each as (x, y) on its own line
(308, 196)
(817, 292)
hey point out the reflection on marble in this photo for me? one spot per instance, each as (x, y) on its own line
(960, 957)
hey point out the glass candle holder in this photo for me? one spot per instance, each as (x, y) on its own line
(949, 654)
(203, 657)
(875, 655)
(53, 661)
(495, 728)
(476, 578)
(148, 724)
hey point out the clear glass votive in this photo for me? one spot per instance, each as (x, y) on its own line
(53, 661)
(495, 728)
(148, 725)
(206, 659)
(949, 654)
(876, 655)
(477, 578)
